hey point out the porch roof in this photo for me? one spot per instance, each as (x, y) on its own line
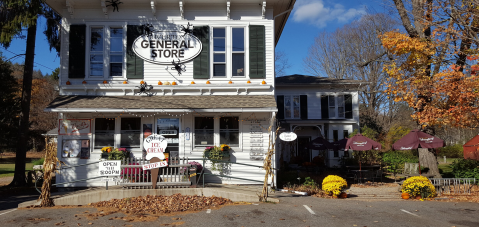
(174, 103)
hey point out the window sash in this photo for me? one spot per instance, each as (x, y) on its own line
(107, 56)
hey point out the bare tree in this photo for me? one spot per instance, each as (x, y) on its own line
(280, 63)
(356, 52)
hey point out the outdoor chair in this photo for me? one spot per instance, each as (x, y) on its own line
(409, 169)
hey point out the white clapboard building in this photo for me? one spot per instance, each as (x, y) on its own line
(199, 72)
(313, 106)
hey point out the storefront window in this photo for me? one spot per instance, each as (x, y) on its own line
(130, 132)
(169, 128)
(229, 131)
(204, 131)
(104, 132)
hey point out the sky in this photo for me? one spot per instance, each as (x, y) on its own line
(308, 19)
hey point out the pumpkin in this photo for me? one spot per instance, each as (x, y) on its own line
(418, 197)
(142, 82)
(68, 83)
(105, 82)
(84, 82)
(124, 82)
(208, 82)
(192, 82)
(264, 82)
(230, 82)
(160, 83)
(405, 195)
(248, 82)
(174, 83)
(343, 195)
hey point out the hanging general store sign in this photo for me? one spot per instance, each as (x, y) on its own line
(288, 136)
(163, 47)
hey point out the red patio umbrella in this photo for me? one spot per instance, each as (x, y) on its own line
(361, 143)
(416, 139)
(320, 144)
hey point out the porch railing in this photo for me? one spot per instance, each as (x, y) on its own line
(179, 174)
(453, 185)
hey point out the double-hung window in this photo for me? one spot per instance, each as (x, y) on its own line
(229, 51)
(292, 107)
(209, 133)
(336, 106)
(204, 131)
(130, 132)
(106, 52)
(229, 131)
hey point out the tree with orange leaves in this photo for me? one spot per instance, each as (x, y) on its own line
(435, 64)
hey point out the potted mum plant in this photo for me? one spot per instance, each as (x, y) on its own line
(105, 151)
(334, 185)
(419, 187)
(216, 154)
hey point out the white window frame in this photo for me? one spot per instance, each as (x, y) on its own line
(292, 107)
(216, 133)
(106, 50)
(117, 136)
(337, 106)
(229, 52)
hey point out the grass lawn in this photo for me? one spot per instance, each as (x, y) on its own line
(445, 170)
(7, 170)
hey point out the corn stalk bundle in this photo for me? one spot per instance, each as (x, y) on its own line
(49, 166)
(267, 164)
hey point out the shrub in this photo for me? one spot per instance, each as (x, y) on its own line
(39, 161)
(452, 151)
(466, 168)
(395, 160)
(419, 185)
(334, 185)
(309, 182)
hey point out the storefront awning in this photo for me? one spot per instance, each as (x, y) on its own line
(176, 103)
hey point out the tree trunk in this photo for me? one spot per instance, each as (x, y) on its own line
(21, 154)
(428, 159)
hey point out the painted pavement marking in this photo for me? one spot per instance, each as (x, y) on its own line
(8, 212)
(407, 212)
(309, 209)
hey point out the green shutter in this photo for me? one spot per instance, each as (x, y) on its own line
(201, 64)
(76, 52)
(257, 65)
(134, 64)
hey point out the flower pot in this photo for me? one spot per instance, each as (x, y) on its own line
(405, 195)
(104, 155)
(418, 197)
(343, 195)
(335, 197)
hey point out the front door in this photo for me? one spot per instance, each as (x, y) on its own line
(303, 151)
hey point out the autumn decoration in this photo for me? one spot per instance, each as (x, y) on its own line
(142, 82)
(334, 185)
(105, 82)
(173, 83)
(230, 82)
(263, 82)
(248, 82)
(192, 82)
(68, 82)
(125, 82)
(419, 186)
(84, 82)
(208, 82)
(160, 83)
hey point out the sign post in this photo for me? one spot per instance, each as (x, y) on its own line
(109, 168)
(155, 146)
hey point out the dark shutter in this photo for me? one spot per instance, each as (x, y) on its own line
(257, 57)
(324, 107)
(280, 104)
(76, 52)
(348, 106)
(303, 102)
(201, 64)
(134, 64)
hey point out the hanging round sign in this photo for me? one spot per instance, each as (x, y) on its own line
(288, 136)
(155, 146)
(164, 47)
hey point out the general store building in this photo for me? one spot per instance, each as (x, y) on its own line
(119, 82)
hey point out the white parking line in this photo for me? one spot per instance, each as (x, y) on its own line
(407, 212)
(8, 212)
(309, 209)
(208, 211)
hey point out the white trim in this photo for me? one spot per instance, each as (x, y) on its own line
(159, 110)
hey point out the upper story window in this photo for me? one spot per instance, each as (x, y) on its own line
(228, 52)
(336, 106)
(106, 52)
(291, 107)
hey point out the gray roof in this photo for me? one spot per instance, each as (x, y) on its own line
(313, 80)
(164, 102)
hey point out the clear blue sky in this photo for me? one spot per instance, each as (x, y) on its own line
(308, 18)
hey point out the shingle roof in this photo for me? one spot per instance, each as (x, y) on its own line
(165, 102)
(312, 80)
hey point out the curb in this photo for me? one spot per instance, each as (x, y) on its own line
(84, 198)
